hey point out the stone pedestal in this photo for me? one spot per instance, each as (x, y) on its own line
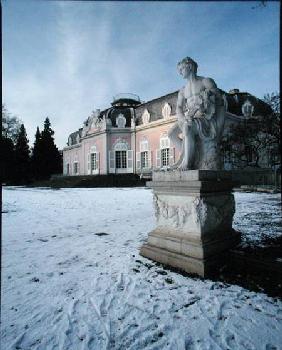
(194, 211)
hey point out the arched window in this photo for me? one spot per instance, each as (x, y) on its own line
(121, 148)
(121, 157)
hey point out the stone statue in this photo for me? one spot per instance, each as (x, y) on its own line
(200, 111)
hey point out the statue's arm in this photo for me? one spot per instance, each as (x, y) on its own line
(179, 105)
(210, 85)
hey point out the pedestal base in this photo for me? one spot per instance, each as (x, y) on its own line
(194, 212)
(200, 258)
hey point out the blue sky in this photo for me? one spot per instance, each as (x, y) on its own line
(63, 59)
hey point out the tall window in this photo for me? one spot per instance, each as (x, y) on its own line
(164, 143)
(93, 161)
(68, 169)
(164, 157)
(144, 155)
(144, 159)
(121, 159)
(75, 167)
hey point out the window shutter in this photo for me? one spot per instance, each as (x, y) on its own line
(77, 168)
(138, 160)
(171, 156)
(158, 158)
(112, 162)
(150, 157)
(130, 160)
(98, 162)
(88, 164)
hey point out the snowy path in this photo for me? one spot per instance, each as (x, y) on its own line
(72, 279)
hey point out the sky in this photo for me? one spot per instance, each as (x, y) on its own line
(64, 59)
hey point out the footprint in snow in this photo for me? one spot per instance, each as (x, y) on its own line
(42, 240)
(34, 279)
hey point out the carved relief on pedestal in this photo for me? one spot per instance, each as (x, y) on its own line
(200, 212)
(213, 214)
(176, 214)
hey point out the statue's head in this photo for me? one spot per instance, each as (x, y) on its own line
(186, 66)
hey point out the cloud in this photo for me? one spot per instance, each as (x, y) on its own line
(95, 50)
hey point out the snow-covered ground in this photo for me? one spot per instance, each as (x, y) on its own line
(72, 277)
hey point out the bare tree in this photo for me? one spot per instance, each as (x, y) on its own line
(10, 125)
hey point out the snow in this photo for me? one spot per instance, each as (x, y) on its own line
(72, 277)
(258, 216)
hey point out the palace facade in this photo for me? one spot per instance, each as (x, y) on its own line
(132, 136)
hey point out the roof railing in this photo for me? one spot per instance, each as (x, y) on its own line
(126, 96)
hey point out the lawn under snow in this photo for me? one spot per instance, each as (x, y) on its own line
(65, 287)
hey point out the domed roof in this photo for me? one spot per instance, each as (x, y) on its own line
(126, 99)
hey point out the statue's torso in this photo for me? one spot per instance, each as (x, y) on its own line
(198, 99)
(193, 94)
(194, 88)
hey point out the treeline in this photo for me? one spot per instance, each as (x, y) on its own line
(21, 164)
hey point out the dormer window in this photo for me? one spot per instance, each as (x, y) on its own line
(146, 117)
(247, 109)
(121, 121)
(166, 111)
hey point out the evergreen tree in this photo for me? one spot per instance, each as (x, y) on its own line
(50, 158)
(7, 160)
(36, 157)
(22, 159)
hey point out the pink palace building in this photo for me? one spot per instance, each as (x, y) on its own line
(131, 136)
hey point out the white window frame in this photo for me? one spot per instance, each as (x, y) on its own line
(144, 157)
(95, 170)
(164, 153)
(121, 159)
(164, 157)
(121, 146)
